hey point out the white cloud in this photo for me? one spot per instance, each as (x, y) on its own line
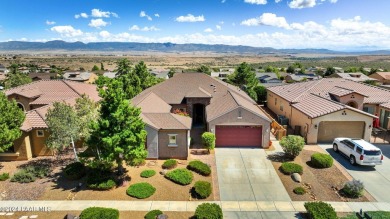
(50, 22)
(104, 34)
(83, 15)
(98, 13)
(157, 15)
(66, 31)
(208, 30)
(256, 2)
(223, 1)
(190, 18)
(268, 19)
(218, 27)
(98, 23)
(143, 14)
(302, 4)
(77, 16)
(277, 1)
(333, 1)
(137, 28)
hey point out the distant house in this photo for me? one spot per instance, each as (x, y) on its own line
(291, 78)
(382, 77)
(223, 74)
(339, 70)
(160, 74)
(269, 77)
(35, 99)
(358, 77)
(86, 77)
(3, 69)
(109, 74)
(41, 76)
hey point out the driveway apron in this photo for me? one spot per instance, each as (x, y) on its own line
(246, 174)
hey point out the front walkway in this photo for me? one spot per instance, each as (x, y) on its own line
(246, 174)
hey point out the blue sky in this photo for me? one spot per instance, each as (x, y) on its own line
(332, 24)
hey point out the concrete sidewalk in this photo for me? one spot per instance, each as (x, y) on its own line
(227, 206)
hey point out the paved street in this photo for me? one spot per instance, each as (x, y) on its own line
(376, 179)
(247, 175)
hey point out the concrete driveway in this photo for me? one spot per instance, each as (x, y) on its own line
(376, 179)
(247, 175)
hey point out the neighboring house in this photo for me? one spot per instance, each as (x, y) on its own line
(109, 74)
(382, 77)
(35, 99)
(291, 78)
(358, 77)
(332, 107)
(212, 105)
(41, 76)
(86, 77)
(160, 74)
(268, 78)
(223, 73)
(338, 70)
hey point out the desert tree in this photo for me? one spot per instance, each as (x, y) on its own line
(16, 78)
(11, 119)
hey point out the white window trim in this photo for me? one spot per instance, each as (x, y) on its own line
(38, 135)
(169, 144)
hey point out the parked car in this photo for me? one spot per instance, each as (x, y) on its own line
(358, 151)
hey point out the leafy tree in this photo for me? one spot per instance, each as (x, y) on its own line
(204, 69)
(208, 140)
(261, 93)
(16, 78)
(171, 72)
(292, 145)
(361, 69)
(147, 80)
(11, 118)
(101, 66)
(95, 68)
(329, 71)
(290, 69)
(131, 83)
(120, 132)
(63, 126)
(87, 113)
(243, 75)
(372, 71)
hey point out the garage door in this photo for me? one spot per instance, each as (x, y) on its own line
(328, 131)
(238, 136)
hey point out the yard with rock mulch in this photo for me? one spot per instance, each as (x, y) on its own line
(320, 184)
(57, 187)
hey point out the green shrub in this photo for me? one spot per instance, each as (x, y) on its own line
(208, 211)
(22, 176)
(199, 167)
(180, 176)
(4, 176)
(147, 173)
(100, 180)
(208, 140)
(292, 145)
(320, 210)
(353, 189)
(153, 214)
(320, 160)
(141, 190)
(290, 168)
(299, 190)
(99, 213)
(203, 189)
(74, 171)
(169, 164)
(378, 214)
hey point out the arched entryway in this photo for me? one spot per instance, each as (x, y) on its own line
(352, 104)
(198, 115)
(20, 106)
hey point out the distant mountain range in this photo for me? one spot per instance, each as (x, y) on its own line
(162, 47)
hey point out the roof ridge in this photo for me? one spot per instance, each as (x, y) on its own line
(234, 98)
(66, 82)
(341, 104)
(315, 84)
(344, 88)
(174, 116)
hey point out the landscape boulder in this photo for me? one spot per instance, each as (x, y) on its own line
(296, 177)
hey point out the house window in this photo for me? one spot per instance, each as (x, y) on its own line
(172, 140)
(239, 114)
(281, 108)
(40, 133)
(276, 101)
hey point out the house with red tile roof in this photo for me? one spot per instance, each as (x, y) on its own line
(382, 77)
(331, 107)
(212, 105)
(35, 99)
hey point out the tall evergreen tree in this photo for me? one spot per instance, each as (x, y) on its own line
(11, 118)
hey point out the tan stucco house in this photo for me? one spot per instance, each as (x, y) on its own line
(382, 77)
(35, 99)
(211, 104)
(332, 107)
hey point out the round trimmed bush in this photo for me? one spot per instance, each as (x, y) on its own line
(153, 214)
(141, 190)
(100, 180)
(98, 212)
(199, 167)
(203, 189)
(169, 164)
(4, 176)
(74, 171)
(299, 190)
(208, 211)
(180, 176)
(147, 173)
(290, 168)
(353, 189)
(321, 160)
